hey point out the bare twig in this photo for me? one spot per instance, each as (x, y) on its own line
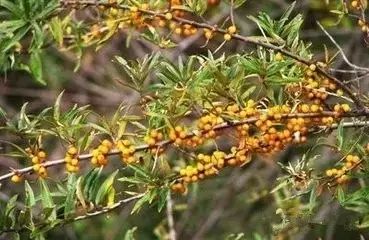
(341, 51)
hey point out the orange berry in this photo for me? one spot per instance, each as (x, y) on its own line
(232, 29)
(278, 56)
(35, 160)
(16, 178)
(41, 154)
(72, 150)
(168, 16)
(133, 9)
(354, 4)
(74, 162)
(312, 67)
(107, 143)
(227, 37)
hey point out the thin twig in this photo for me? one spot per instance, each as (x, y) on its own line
(341, 50)
(106, 209)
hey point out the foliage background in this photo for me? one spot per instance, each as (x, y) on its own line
(239, 200)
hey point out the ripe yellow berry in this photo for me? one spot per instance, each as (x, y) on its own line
(227, 37)
(16, 178)
(314, 108)
(355, 159)
(94, 160)
(337, 108)
(41, 154)
(42, 172)
(178, 30)
(74, 162)
(346, 107)
(72, 150)
(168, 16)
(151, 142)
(305, 108)
(312, 67)
(232, 29)
(208, 34)
(133, 9)
(339, 92)
(278, 56)
(36, 167)
(354, 4)
(107, 143)
(103, 149)
(329, 173)
(35, 160)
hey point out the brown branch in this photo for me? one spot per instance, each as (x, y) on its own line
(162, 144)
(359, 104)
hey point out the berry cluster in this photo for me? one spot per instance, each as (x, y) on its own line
(206, 165)
(127, 150)
(38, 156)
(271, 132)
(363, 25)
(153, 138)
(341, 108)
(177, 135)
(314, 88)
(207, 123)
(356, 4)
(71, 159)
(230, 31)
(99, 154)
(340, 174)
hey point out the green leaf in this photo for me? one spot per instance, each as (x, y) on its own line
(140, 171)
(69, 205)
(79, 192)
(141, 202)
(12, 7)
(10, 42)
(91, 183)
(36, 67)
(340, 195)
(105, 188)
(10, 207)
(57, 106)
(130, 234)
(30, 196)
(163, 194)
(197, 6)
(57, 30)
(46, 199)
(11, 26)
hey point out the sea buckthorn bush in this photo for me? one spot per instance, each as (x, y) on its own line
(192, 120)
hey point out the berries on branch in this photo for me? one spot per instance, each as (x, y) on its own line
(99, 154)
(71, 159)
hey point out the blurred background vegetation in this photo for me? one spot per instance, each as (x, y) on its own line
(236, 205)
